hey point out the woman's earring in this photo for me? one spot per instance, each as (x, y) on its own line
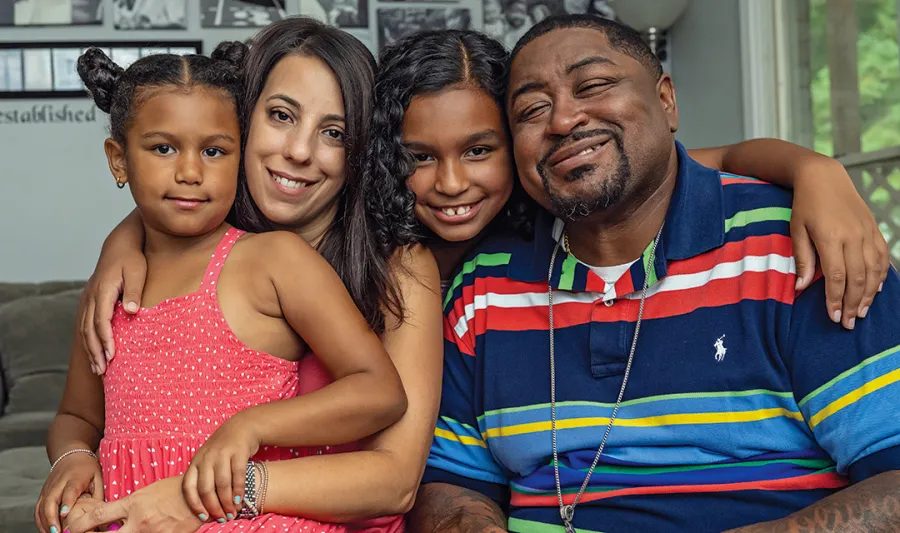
(120, 184)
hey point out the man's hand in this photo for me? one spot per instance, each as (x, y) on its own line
(444, 508)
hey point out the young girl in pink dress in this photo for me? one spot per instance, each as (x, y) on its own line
(205, 380)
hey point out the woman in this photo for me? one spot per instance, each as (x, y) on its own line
(357, 484)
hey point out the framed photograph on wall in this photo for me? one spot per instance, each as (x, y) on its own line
(338, 13)
(11, 71)
(150, 14)
(394, 23)
(50, 12)
(240, 13)
(508, 20)
(48, 69)
(65, 73)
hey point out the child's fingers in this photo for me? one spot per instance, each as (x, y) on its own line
(70, 495)
(191, 495)
(222, 471)
(96, 487)
(238, 479)
(39, 518)
(50, 510)
(206, 487)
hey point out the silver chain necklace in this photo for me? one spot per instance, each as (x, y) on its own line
(567, 512)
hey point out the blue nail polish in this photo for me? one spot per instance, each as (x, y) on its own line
(202, 517)
(229, 516)
(64, 509)
(53, 529)
(221, 520)
(237, 500)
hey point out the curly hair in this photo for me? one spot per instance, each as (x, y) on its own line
(120, 92)
(427, 63)
(356, 244)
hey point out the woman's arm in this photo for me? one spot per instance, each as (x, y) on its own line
(381, 479)
(121, 270)
(78, 426)
(365, 397)
(828, 217)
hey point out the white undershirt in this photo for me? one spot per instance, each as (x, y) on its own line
(611, 274)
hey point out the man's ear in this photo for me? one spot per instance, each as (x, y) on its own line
(666, 91)
(115, 156)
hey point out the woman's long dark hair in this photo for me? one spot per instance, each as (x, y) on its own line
(427, 63)
(356, 245)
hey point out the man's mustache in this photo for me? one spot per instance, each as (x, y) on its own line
(574, 137)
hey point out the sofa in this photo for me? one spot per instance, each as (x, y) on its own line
(36, 325)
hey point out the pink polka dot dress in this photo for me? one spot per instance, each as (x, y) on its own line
(180, 372)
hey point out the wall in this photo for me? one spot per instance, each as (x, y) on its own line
(58, 200)
(706, 67)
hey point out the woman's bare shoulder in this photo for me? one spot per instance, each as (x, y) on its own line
(414, 263)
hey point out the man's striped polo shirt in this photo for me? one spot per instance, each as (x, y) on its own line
(745, 402)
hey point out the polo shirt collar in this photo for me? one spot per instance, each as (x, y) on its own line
(695, 224)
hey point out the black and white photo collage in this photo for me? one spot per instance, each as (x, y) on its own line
(378, 23)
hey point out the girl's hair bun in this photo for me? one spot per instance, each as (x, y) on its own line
(100, 75)
(232, 52)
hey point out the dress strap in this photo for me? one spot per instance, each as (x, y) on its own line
(217, 261)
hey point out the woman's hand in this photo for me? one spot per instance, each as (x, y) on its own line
(829, 217)
(82, 506)
(119, 271)
(156, 508)
(76, 474)
(214, 483)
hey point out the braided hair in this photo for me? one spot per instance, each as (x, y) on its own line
(119, 92)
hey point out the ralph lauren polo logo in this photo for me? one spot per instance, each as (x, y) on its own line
(720, 348)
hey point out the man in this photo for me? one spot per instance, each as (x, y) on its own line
(672, 340)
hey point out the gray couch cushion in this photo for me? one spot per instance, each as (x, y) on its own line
(25, 429)
(22, 474)
(35, 338)
(14, 291)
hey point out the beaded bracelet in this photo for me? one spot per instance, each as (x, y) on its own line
(264, 484)
(70, 452)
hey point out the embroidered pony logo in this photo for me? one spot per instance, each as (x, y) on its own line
(720, 349)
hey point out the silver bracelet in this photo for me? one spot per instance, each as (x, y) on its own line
(70, 452)
(251, 494)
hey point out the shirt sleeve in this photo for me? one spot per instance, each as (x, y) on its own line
(459, 454)
(847, 383)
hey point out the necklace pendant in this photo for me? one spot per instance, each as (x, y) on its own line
(567, 513)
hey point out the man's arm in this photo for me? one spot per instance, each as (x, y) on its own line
(846, 385)
(445, 508)
(872, 506)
